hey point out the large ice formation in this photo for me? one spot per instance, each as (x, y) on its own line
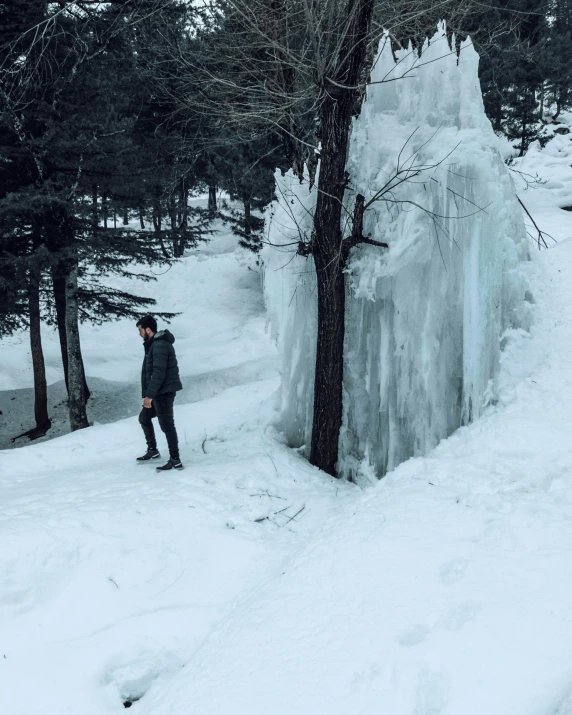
(424, 318)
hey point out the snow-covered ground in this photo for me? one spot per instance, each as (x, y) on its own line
(545, 182)
(251, 583)
(220, 341)
(111, 576)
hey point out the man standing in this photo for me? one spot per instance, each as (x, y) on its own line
(159, 383)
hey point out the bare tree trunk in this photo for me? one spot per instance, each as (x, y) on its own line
(212, 206)
(558, 108)
(158, 220)
(104, 208)
(327, 416)
(185, 205)
(184, 217)
(247, 214)
(336, 112)
(59, 288)
(141, 218)
(43, 422)
(523, 137)
(94, 215)
(76, 377)
(126, 216)
(173, 220)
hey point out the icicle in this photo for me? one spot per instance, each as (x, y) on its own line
(424, 318)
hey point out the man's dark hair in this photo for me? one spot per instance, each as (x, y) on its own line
(148, 321)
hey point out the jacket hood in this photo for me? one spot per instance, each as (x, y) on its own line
(165, 335)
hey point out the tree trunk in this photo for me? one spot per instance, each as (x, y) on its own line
(104, 208)
(76, 378)
(327, 417)
(173, 219)
(212, 200)
(59, 288)
(184, 220)
(158, 220)
(43, 422)
(247, 214)
(498, 116)
(142, 218)
(523, 138)
(336, 111)
(126, 216)
(185, 206)
(94, 216)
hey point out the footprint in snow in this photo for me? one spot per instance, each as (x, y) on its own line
(414, 636)
(459, 615)
(453, 570)
(431, 694)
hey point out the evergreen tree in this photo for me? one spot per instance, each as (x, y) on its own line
(67, 117)
(557, 65)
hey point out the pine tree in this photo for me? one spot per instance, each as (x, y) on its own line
(67, 136)
(557, 65)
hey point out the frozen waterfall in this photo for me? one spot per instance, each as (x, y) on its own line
(424, 318)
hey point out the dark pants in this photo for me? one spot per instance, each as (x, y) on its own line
(162, 408)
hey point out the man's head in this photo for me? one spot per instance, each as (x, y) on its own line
(147, 327)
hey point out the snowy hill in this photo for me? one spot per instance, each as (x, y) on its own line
(221, 344)
(250, 583)
(111, 576)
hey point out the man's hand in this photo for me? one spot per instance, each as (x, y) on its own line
(147, 402)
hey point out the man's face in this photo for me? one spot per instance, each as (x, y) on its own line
(144, 332)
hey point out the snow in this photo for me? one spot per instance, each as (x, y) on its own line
(111, 575)
(423, 319)
(545, 180)
(444, 589)
(222, 345)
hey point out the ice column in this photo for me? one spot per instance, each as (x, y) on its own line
(425, 317)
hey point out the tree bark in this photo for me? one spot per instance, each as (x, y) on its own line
(43, 422)
(158, 220)
(59, 288)
(94, 214)
(184, 217)
(104, 208)
(212, 200)
(173, 220)
(336, 112)
(76, 377)
(327, 415)
(247, 214)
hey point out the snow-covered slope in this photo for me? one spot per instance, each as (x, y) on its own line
(252, 584)
(544, 178)
(111, 575)
(445, 589)
(220, 342)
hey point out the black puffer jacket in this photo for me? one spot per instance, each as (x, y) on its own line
(160, 372)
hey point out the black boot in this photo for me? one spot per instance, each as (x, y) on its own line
(171, 464)
(151, 453)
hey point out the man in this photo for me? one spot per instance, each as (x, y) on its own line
(159, 383)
